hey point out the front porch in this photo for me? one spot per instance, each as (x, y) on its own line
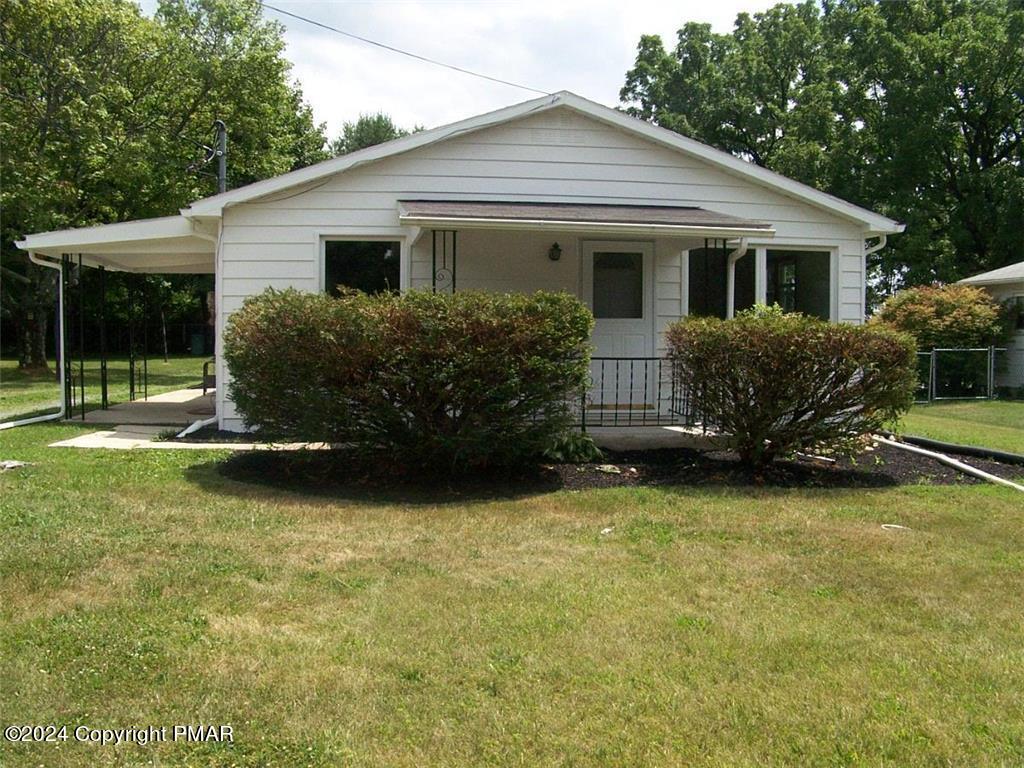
(638, 268)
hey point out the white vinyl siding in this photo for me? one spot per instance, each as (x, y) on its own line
(559, 155)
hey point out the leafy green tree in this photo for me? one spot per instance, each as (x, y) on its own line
(914, 109)
(939, 87)
(367, 131)
(102, 108)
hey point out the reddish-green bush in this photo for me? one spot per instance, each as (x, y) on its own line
(449, 382)
(950, 316)
(779, 383)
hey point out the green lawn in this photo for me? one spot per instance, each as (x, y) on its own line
(23, 395)
(709, 627)
(992, 424)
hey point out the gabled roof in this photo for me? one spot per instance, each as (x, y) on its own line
(873, 223)
(1011, 273)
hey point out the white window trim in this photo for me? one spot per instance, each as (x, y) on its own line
(833, 271)
(761, 272)
(404, 257)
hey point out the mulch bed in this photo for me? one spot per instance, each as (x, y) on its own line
(334, 473)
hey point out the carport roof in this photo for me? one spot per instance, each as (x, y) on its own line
(172, 244)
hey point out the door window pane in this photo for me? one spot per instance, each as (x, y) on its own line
(618, 285)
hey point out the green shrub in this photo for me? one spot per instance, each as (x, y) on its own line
(779, 383)
(418, 380)
(948, 316)
(573, 448)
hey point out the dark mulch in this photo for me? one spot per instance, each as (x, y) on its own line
(213, 435)
(879, 467)
(336, 473)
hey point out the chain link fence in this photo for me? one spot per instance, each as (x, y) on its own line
(958, 374)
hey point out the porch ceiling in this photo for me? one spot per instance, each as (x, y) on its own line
(579, 217)
(168, 245)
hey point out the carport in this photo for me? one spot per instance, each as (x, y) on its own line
(169, 245)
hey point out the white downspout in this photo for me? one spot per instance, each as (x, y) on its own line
(730, 277)
(877, 246)
(864, 272)
(60, 308)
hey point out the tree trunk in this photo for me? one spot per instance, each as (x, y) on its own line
(163, 329)
(39, 329)
(32, 342)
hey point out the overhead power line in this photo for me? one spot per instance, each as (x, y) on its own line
(404, 53)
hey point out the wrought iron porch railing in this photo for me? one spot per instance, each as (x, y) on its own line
(634, 392)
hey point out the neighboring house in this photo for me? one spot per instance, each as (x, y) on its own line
(557, 193)
(1006, 285)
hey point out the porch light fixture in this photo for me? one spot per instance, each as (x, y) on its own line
(555, 252)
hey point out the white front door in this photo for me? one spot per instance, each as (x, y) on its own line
(618, 286)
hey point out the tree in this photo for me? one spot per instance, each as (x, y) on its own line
(940, 89)
(914, 109)
(101, 109)
(759, 92)
(367, 131)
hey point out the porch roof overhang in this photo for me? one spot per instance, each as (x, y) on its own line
(664, 220)
(168, 245)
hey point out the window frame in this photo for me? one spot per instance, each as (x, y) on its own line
(403, 254)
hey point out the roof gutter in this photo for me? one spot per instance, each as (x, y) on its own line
(60, 306)
(596, 227)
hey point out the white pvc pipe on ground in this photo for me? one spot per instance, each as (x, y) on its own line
(944, 459)
(197, 425)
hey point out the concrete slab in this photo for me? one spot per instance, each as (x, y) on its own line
(648, 438)
(181, 396)
(180, 407)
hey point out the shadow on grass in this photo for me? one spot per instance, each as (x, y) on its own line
(336, 475)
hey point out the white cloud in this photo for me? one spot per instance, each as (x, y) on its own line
(575, 45)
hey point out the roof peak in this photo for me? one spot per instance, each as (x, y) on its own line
(873, 223)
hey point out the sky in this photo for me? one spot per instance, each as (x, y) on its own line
(584, 46)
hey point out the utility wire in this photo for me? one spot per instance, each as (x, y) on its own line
(404, 53)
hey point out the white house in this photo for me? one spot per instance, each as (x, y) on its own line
(557, 193)
(1006, 284)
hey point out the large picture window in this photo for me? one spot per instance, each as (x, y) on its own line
(371, 266)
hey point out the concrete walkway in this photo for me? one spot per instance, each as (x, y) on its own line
(128, 437)
(137, 424)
